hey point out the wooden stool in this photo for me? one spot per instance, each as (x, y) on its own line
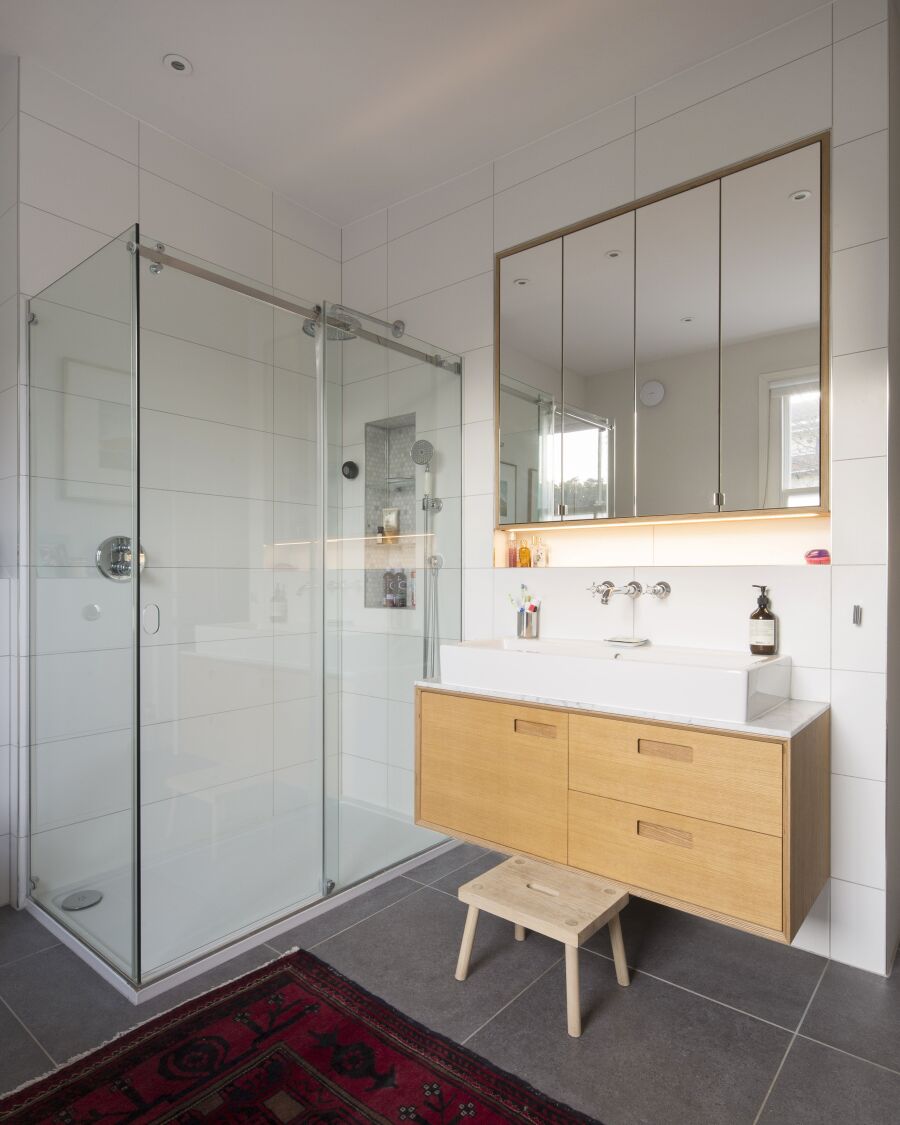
(564, 905)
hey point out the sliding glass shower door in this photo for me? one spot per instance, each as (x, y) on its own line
(214, 604)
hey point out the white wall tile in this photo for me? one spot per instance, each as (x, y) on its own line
(857, 830)
(207, 603)
(364, 663)
(860, 84)
(731, 68)
(364, 234)
(859, 191)
(810, 683)
(9, 165)
(859, 386)
(478, 605)
(441, 253)
(4, 870)
(366, 402)
(190, 223)
(478, 531)
(790, 102)
(401, 735)
(585, 186)
(364, 281)
(305, 273)
(307, 227)
(363, 780)
(189, 168)
(851, 16)
(458, 318)
(860, 298)
(859, 648)
(478, 458)
(859, 514)
(453, 195)
(4, 790)
(858, 729)
(858, 926)
(9, 330)
(364, 727)
(567, 608)
(594, 131)
(189, 529)
(401, 791)
(478, 385)
(49, 247)
(52, 99)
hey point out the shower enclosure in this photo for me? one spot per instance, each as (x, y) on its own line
(228, 540)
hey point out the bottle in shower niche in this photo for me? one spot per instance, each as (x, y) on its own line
(524, 553)
(763, 625)
(512, 550)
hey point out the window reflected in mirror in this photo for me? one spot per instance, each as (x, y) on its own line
(771, 337)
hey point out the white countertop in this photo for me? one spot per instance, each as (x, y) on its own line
(782, 722)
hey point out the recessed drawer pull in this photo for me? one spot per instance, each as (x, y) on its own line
(664, 834)
(670, 750)
(537, 730)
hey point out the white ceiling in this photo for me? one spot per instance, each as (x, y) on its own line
(347, 106)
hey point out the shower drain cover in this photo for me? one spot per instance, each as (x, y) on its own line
(81, 900)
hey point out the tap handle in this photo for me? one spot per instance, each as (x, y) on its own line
(598, 589)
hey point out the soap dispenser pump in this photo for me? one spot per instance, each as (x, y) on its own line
(763, 625)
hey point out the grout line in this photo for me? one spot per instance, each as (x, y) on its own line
(430, 293)
(514, 999)
(862, 137)
(465, 863)
(849, 1054)
(26, 956)
(28, 1031)
(857, 245)
(693, 992)
(737, 85)
(84, 140)
(788, 1050)
(353, 925)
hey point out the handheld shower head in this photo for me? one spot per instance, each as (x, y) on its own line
(422, 452)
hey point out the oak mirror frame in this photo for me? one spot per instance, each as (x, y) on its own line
(669, 359)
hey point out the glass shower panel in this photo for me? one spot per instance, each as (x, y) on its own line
(230, 638)
(388, 551)
(82, 517)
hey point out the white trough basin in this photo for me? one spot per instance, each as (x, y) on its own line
(686, 682)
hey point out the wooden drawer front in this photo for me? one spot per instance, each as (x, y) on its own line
(736, 781)
(722, 868)
(496, 771)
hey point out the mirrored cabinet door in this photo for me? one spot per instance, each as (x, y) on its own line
(771, 333)
(677, 353)
(531, 385)
(598, 371)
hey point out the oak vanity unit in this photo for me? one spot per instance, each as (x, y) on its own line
(730, 825)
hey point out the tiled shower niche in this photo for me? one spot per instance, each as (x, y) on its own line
(390, 558)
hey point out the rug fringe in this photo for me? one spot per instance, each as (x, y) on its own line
(128, 1030)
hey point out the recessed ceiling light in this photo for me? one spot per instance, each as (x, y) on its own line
(178, 63)
(801, 195)
(521, 280)
(613, 253)
(687, 320)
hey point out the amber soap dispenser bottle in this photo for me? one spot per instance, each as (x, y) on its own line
(763, 626)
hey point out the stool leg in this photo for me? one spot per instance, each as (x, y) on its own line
(573, 1000)
(618, 948)
(465, 950)
(520, 933)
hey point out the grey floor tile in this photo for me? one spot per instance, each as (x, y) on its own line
(407, 955)
(762, 977)
(441, 865)
(20, 935)
(649, 1053)
(858, 1012)
(237, 967)
(819, 1086)
(326, 925)
(452, 882)
(21, 1059)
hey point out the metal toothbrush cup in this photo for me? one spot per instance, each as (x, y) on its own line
(528, 623)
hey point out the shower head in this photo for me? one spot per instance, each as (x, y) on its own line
(422, 452)
(338, 330)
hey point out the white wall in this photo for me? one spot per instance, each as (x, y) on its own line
(429, 260)
(88, 171)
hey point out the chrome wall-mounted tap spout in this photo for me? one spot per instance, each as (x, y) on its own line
(606, 589)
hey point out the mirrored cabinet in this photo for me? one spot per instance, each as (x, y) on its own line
(667, 360)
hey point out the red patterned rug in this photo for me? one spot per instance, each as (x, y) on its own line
(292, 1042)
